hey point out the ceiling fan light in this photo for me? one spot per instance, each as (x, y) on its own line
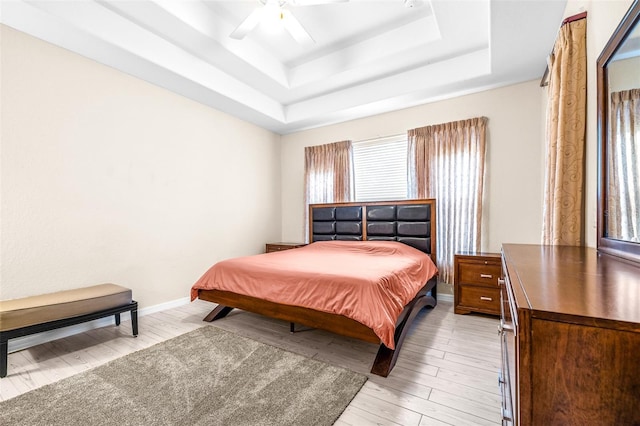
(272, 17)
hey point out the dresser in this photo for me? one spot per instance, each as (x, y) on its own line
(475, 283)
(271, 247)
(570, 337)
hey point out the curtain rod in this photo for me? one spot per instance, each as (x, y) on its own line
(399, 135)
(573, 18)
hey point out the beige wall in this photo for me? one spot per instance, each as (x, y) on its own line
(513, 189)
(106, 178)
(602, 19)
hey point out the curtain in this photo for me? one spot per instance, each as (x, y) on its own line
(446, 162)
(563, 211)
(624, 167)
(328, 176)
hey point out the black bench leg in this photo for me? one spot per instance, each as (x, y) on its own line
(117, 319)
(4, 349)
(134, 322)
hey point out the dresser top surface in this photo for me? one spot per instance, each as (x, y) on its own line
(576, 281)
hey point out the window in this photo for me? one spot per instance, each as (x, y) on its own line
(380, 168)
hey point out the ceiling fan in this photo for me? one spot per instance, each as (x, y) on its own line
(275, 10)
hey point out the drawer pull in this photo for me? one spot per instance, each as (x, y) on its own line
(486, 276)
(488, 299)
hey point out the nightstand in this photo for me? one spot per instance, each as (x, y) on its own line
(476, 283)
(271, 247)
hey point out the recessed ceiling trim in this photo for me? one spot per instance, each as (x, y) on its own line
(361, 54)
(380, 57)
(464, 67)
(381, 29)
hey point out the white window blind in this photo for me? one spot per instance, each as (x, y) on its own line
(380, 168)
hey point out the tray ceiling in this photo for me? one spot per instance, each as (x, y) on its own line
(368, 57)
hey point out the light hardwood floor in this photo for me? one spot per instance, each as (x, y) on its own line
(447, 372)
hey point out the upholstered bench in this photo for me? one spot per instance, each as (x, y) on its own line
(35, 314)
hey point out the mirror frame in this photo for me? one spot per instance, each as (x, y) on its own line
(625, 249)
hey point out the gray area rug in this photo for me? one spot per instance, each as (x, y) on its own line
(205, 377)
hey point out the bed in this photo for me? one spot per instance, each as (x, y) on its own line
(367, 272)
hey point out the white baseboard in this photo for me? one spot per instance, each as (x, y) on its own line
(164, 306)
(445, 297)
(20, 343)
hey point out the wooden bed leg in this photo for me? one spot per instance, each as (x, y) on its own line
(384, 362)
(292, 327)
(386, 358)
(220, 311)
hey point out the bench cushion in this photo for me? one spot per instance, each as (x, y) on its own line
(18, 313)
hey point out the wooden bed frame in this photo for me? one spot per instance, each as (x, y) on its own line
(387, 220)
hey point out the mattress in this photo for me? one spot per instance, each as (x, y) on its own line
(367, 281)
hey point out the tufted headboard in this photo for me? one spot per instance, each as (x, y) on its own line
(412, 222)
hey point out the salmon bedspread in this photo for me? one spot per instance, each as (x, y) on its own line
(367, 281)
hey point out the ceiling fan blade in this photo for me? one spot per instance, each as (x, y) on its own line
(248, 24)
(296, 29)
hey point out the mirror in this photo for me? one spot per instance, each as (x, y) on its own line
(619, 140)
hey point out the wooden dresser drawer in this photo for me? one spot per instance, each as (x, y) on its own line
(480, 299)
(476, 283)
(479, 273)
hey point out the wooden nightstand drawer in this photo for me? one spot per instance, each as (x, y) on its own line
(480, 299)
(479, 273)
(476, 283)
(271, 247)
